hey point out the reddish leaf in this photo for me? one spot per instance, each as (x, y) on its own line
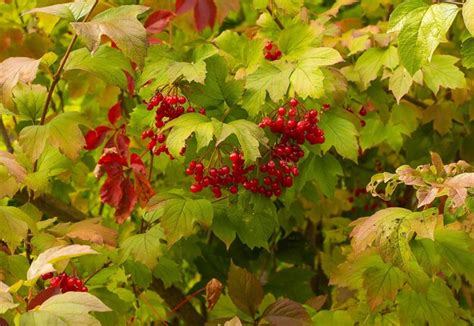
(95, 137)
(205, 14)
(213, 292)
(284, 312)
(3, 322)
(184, 5)
(130, 83)
(158, 20)
(111, 192)
(144, 189)
(43, 296)
(153, 40)
(115, 113)
(127, 203)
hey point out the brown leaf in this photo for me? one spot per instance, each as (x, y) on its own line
(213, 292)
(426, 196)
(13, 70)
(14, 168)
(244, 290)
(233, 322)
(91, 230)
(121, 26)
(438, 164)
(285, 312)
(317, 302)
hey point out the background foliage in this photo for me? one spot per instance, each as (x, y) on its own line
(347, 243)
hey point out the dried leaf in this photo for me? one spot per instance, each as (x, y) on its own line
(91, 230)
(213, 292)
(14, 168)
(13, 70)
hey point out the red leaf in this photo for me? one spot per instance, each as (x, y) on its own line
(205, 14)
(95, 137)
(137, 164)
(184, 5)
(127, 203)
(43, 296)
(115, 113)
(120, 142)
(111, 192)
(158, 20)
(3, 322)
(153, 40)
(144, 189)
(130, 83)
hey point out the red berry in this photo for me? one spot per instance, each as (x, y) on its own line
(195, 187)
(268, 56)
(234, 157)
(268, 46)
(190, 109)
(47, 276)
(181, 99)
(84, 289)
(363, 111)
(362, 123)
(233, 189)
(293, 102)
(326, 107)
(281, 111)
(189, 171)
(55, 281)
(202, 111)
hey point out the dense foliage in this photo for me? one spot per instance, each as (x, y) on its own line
(253, 162)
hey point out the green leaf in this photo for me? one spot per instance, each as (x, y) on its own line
(292, 7)
(419, 308)
(327, 317)
(373, 134)
(295, 40)
(144, 248)
(168, 271)
(61, 132)
(467, 53)
(254, 228)
(69, 308)
(293, 283)
(121, 26)
(307, 80)
(106, 63)
(72, 11)
(13, 228)
(402, 12)
(441, 71)
(371, 61)
(326, 171)
(272, 77)
(157, 62)
(190, 71)
(382, 282)
(341, 134)
(456, 248)
(44, 262)
(216, 90)
(423, 30)
(244, 290)
(468, 15)
(248, 54)
(140, 119)
(29, 100)
(184, 126)
(248, 134)
(179, 214)
(253, 100)
(400, 83)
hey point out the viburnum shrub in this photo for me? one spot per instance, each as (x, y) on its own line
(253, 162)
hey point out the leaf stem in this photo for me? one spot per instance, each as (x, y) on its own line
(57, 74)
(5, 136)
(275, 18)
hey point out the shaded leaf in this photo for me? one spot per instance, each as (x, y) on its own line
(284, 312)
(13, 226)
(244, 290)
(144, 248)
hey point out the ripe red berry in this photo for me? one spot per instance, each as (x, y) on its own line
(202, 111)
(233, 189)
(196, 187)
(234, 157)
(293, 102)
(281, 111)
(326, 107)
(363, 111)
(55, 281)
(268, 46)
(190, 109)
(181, 99)
(47, 276)
(362, 123)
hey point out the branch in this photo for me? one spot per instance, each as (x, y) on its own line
(5, 136)
(57, 75)
(173, 297)
(275, 18)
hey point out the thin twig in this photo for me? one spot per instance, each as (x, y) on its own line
(57, 75)
(107, 264)
(275, 18)
(5, 136)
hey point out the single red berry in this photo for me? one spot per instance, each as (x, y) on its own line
(181, 99)
(202, 111)
(190, 109)
(233, 189)
(55, 281)
(363, 111)
(326, 107)
(293, 102)
(47, 276)
(277, 55)
(268, 56)
(268, 46)
(195, 187)
(234, 157)
(189, 171)
(281, 111)
(84, 289)
(362, 123)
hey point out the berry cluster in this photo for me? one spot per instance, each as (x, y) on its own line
(167, 109)
(293, 125)
(65, 282)
(221, 177)
(271, 51)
